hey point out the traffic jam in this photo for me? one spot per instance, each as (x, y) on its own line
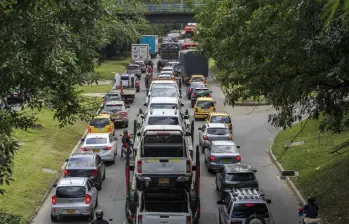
(162, 162)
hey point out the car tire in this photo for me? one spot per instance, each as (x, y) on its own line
(96, 203)
(216, 184)
(203, 150)
(104, 173)
(219, 219)
(91, 216)
(99, 187)
(54, 218)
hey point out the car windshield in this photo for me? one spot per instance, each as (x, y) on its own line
(244, 210)
(163, 120)
(99, 122)
(112, 108)
(81, 161)
(164, 85)
(93, 141)
(217, 131)
(204, 104)
(163, 106)
(220, 119)
(198, 79)
(194, 85)
(163, 139)
(111, 97)
(164, 92)
(240, 177)
(223, 149)
(70, 192)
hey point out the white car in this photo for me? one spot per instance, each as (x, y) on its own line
(172, 63)
(165, 76)
(167, 69)
(103, 144)
(164, 103)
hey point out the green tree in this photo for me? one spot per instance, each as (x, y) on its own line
(279, 49)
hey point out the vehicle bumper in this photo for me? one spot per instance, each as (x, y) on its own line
(172, 179)
(216, 166)
(120, 121)
(57, 210)
(201, 115)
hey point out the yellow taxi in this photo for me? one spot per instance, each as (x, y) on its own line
(220, 117)
(198, 78)
(101, 123)
(203, 107)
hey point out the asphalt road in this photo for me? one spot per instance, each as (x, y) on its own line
(251, 132)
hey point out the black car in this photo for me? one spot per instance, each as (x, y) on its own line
(86, 165)
(236, 176)
(199, 92)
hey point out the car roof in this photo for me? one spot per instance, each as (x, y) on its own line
(223, 142)
(72, 181)
(167, 67)
(173, 100)
(97, 135)
(162, 127)
(164, 81)
(102, 116)
(195, 76)
(163, 112)
(115, 102)
(204, 99)
(238, 168)
(217, 125)
(165, 72)
(219, 114)
(132, 65)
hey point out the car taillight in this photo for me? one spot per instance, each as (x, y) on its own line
(205, 137)
(188, 166)
(238, 158)
(140, 219)
(188, 220)
(87, 199)
(84, 149)
(139, 166)
(212, 158)
(66, 172)
(124, 114)
(110, 129)
(230, 137)
(54, 199)
(94, 173)
(108, 148)
(89, 129)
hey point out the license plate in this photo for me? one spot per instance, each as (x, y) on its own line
(164, 181)
(226, 160)
(71, 212)
(95, 150)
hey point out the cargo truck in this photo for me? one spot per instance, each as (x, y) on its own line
(152, 41)
(140, 52)
(169, 51)
(193, 62)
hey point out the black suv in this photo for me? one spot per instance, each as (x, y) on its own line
(235, 176)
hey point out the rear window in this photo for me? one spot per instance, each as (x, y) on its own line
(81, 161)
(92, 141)
(132, 67)
(70, 192)
(112, 108)
(111, 97)
(220, 119)
(240, 177)
(163, 92)
(205, 104)
(197, 79)
(244, 210)
(99, 122)
(223, 148)
(163, 106)
(197, 85)
(217, 131)
(167, 139)
(163, 120)
(125, 78)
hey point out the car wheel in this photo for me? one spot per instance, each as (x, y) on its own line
(96, 205)
(99, 187)
(112, 162)
(126, 125)
(219, 219)
(91, 216)
(54, 218)
(104, 172)
(216, 184)
(202, 149)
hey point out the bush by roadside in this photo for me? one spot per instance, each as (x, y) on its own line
(6, 218)
(322, 174)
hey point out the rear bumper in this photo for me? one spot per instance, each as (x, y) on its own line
(216, 166)
(172, 179)
(57, 210)
(201, 115)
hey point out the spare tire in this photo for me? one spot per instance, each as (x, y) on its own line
(255, 219)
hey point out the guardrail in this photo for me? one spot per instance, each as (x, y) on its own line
(171, 7)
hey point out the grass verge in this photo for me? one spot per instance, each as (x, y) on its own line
(106, 69)
(95, 88)
(47, 148)
(323, 175)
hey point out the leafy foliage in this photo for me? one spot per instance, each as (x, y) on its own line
(6, 218)
(279, 49)
(49, 47)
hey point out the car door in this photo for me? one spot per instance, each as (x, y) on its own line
(112, 141)
(92, 190)
(100, 165)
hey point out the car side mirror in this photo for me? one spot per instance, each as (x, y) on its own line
(238, 146)
(220, 202)
(82, 140)
(199, 129)
(54, 185)
(127, 106)
(255, 170)
(145, 104)
(142, 116)
(268, 201)
(66, 160)
(138, 134)
(182, 105)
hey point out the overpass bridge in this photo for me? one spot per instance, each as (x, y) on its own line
(170, 13)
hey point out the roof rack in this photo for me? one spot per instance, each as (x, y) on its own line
(247, 193)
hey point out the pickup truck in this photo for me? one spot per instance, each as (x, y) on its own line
(163, 159)
(164, 207)
(130, 85)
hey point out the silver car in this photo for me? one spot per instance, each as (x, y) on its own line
(134, 69)
(118, 112)
(213, 132)
(220, 153)
(74, 196)
(103, 144)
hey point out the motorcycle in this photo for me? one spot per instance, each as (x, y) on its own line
(126, 148)
(306, 220)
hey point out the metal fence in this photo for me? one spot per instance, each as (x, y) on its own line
(171, 7)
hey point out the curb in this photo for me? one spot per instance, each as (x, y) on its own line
(237, 103)
(288, 179)
(58, 176)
